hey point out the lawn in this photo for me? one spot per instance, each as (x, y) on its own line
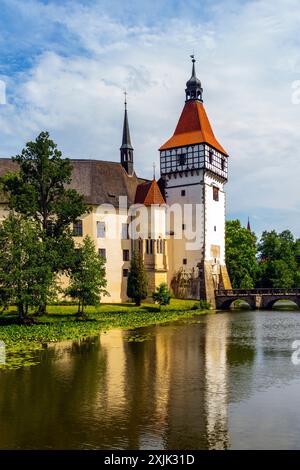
(61, 324)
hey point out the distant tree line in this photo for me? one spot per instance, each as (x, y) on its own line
(271, 261)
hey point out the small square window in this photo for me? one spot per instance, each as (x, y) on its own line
(125, 255)
(125, 272)
(215, 193)
(184, 261)
(183, 192)
(77, 229)
(102, 253)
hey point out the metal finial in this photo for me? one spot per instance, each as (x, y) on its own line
(154, 168)
(125, 102)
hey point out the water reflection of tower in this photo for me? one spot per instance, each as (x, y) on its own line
(216, 381)
(198, 401)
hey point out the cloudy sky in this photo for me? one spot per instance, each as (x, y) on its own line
(66, 63)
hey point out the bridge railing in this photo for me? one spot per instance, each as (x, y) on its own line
(261, 291)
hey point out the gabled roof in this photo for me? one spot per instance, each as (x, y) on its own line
(100, 182)
(149, 193)
(193, 128)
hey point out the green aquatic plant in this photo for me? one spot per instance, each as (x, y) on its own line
(24, 342)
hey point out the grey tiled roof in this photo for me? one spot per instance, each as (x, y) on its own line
(99, 181)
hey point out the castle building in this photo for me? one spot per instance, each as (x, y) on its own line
(182, 230)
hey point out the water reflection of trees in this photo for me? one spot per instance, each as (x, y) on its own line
(169, 391)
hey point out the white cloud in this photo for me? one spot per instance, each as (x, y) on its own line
(247, 60)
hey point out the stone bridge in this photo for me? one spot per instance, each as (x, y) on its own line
(256, 298)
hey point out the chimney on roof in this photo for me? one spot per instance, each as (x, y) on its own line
(126, 148)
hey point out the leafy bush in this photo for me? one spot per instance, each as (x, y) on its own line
(201, 305)
(162, 294)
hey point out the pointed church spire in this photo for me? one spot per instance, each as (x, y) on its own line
(248, 225)
(126, 141)
(193, 89)
(126, 148)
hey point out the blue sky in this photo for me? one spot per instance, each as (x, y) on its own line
(66, 63)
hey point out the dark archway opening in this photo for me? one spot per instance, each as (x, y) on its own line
(283, 304)
(237, 304)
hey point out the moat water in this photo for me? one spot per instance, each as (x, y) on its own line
(224, 381)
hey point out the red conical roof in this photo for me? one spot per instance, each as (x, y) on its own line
(148, 194)
(193, 128)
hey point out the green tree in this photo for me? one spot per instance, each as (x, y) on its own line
(137, 279)
(240, 255)
(39, 190)
(162, 294)
(278, 260)
(22, 266)
(87, 278)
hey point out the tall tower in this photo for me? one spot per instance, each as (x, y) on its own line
(126, 148)
(193, 167)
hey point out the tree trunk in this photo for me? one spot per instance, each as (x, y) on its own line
(79, 310)
(21, 312)
(42, 310)
(138, 302)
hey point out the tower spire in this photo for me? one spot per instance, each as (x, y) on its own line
(248, 225)
(193, 89)
(126, 148)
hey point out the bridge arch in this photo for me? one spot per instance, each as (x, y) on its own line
(269, 303)
(226, 304)
(261, 298)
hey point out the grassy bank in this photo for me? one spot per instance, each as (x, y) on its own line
(60, 324)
